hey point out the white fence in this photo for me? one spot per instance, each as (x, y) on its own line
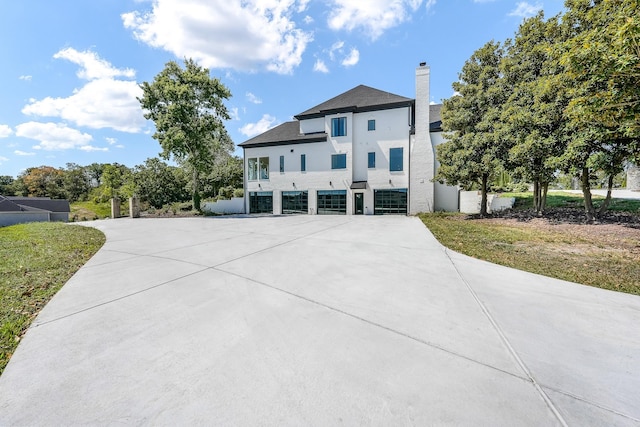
(470, 202)
(233, 206)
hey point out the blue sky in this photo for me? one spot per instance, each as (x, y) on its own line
(71, 68)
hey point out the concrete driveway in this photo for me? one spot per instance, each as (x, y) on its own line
(311, 320)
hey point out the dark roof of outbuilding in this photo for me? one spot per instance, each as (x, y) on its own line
(7, 205)
(360, 98)
(286, 133)
(41, 203)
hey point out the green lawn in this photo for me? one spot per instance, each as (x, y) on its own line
(584, 254)
(36, 259)
(87, 211)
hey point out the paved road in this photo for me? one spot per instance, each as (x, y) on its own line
(311, 320)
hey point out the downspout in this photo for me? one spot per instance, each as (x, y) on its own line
(245, 184)
(411, 127)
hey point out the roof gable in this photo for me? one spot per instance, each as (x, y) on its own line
(360, 98)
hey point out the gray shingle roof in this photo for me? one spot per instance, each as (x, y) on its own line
(286, 133)
(360, 98)
(41, 203)
(7, 205)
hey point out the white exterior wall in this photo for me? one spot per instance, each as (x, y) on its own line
(312, 125)
(392, 131)
(445, 196)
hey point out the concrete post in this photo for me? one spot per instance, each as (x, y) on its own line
(134, 207)
(115, 207)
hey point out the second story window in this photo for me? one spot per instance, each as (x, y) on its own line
(371, 125)
(339, 126)
(258, 168)
(303, 162)
(371, 160)
(338, 161)
(281, 163)
(395, 159)
(264, 167)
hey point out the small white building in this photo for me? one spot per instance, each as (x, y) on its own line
(365, 151)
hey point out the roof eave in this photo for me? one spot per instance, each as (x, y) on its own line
(285, 142)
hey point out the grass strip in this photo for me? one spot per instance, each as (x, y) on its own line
(36, 259)
(588, 258)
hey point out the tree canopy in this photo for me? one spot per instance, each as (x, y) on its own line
(563, 97)
(187, 107)
(472, 153)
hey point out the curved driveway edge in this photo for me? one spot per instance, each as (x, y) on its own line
(312, 320)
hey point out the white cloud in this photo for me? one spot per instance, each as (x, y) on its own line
(92, 66)
(234, 113)
(308, 20)
(253, 99)
(90, 148)
(3, 160)
(320, 66)
(430, 4)
(336, 47)
(374, 17)
(5, 131)
(352, 59)
(103, 103)
(53, 136)
(525, 10)
(248, 34)
(337, 50)
(263, 125)
(23, 153)
(26, 78)
(111, 141)
(302, 5)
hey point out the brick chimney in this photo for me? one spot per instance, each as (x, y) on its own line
(421, 172)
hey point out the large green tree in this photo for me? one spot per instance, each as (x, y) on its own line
(6, 185)
(532, 121)
(473, 152)
(158, 184)
(44, 181)
(76, 182)
(227, 173)
(187, 107)
(602, 64)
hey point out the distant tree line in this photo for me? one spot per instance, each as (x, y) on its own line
(154, 182)
(561, 97)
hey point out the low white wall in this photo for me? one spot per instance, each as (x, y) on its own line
(633, 178)
(233, 206)
(470, 202)
(11, 218)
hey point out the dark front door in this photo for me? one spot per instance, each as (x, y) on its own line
(358, 203)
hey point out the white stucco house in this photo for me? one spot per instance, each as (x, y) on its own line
(364, 151)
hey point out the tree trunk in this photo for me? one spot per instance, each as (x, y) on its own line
(586, 192)
(607, 200)
(536, 196)
(545, 190)
(196, 190)
(483, 199)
